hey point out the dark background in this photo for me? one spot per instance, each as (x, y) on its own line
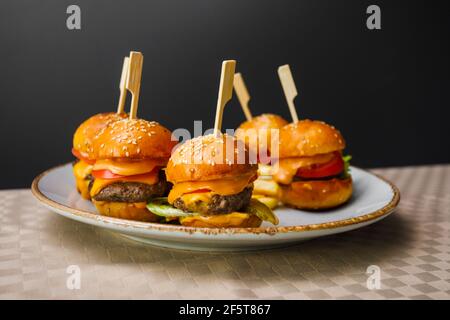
(387, 90)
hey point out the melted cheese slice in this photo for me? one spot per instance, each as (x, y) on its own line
(100, 184)
(81, 169)
(288, 167)
(222, 187)
(194, 197)
(129, 168)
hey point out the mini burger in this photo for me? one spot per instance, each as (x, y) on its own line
(256, 134)
(130, 155)
(83, 148)
(212, 186)
(311, 170)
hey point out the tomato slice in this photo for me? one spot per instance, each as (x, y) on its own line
(331, 168)
(106, 174)
(78, 155)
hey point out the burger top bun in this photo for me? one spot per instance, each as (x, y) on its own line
(133, 139)
(308, 138)
(265, 121)
(209, 157)
(83, 139)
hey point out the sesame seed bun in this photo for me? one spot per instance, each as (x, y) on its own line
(207, 158)
(309, 138)
(264, 121)
(133, 139)
(249, 129)
(317, 194)
(83, 139)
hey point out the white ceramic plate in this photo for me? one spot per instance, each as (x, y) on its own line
(374, 198)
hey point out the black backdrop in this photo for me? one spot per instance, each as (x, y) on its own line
(387, 90)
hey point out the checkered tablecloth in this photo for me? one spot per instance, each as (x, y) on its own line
(411, 247)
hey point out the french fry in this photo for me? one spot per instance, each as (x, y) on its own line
(268, 201)
(264, 170)
(266, 187)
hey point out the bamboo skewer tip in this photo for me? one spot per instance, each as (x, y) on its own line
(225, 92)
(243, 96)
(133, 83)
(289, 89)
(122, 85)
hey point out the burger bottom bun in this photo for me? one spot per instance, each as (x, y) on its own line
(125, 210)
(232, 220)
(317, 194)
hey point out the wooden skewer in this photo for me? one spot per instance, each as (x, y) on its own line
(243, 95)
(133, 83)
(123, 89)
(290, 91)
(225, 92)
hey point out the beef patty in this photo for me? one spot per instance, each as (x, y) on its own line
(218, 204)
(133, 191)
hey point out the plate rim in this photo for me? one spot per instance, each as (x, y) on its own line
(385, 210)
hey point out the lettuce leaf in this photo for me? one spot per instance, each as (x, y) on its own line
(161, 207)
(346, 172)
